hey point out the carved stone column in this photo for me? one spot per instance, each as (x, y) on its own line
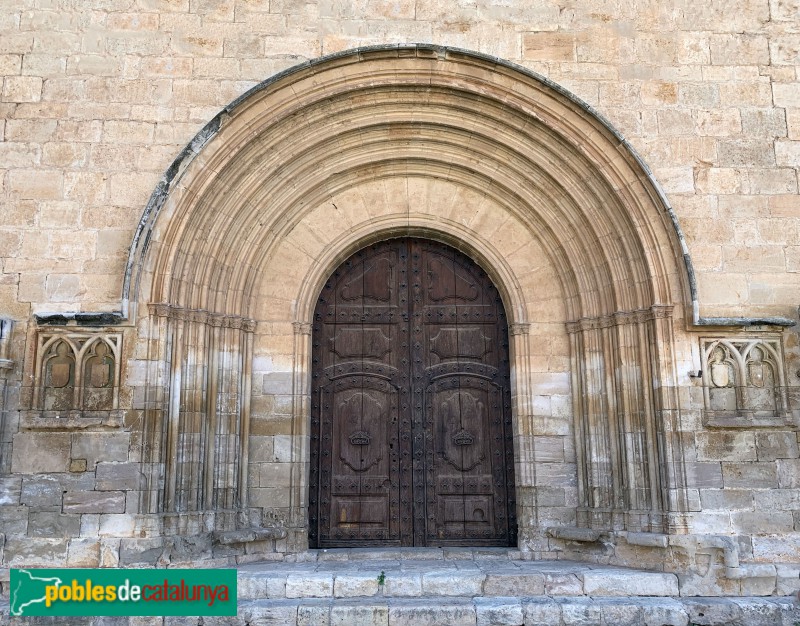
(522, 409)
(630, 470)
(197, 415)
(301, 403)
(6, 365)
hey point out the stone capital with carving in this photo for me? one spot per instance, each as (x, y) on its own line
(302, 328)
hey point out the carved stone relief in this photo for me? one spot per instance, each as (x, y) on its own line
(198, 412)
(744, 381)
(623, 427)
(76, 371)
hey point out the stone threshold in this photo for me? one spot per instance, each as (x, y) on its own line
(414, 554)
(462, 611)
(511, 611)
(414, 574)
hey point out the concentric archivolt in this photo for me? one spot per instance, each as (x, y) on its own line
(392, 115)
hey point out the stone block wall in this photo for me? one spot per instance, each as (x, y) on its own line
(98, 98)
(96, 102)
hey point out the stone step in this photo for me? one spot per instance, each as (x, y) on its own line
(461, 611)
(498, 610)
(510, 611)
(447, 578)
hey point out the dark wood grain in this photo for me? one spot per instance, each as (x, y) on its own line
(411, 438)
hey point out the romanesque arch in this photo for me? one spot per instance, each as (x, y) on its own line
(316, 163)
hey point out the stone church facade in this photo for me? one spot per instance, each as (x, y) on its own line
(190, 187)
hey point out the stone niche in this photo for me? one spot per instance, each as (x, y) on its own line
(76, 378)
(744, 382)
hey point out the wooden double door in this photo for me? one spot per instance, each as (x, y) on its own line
(411, 434)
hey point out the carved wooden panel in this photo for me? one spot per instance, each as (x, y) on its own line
(411, 439)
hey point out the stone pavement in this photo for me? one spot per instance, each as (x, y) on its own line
(465, 587)
(483, 587)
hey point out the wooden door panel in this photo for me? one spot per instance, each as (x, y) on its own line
(359, 486)
(360, 428)
(460, 422)
(411, 424)
(467, 457)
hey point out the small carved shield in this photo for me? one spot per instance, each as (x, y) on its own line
(720, 375)
(756, 372)
(60, 374)
(101, 374)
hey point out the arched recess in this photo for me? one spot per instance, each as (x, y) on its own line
(407, 119)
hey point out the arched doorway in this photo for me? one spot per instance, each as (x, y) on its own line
(427, 142)
(411, 430)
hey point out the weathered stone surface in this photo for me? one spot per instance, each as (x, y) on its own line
(707, 94)
(440, 613)
(541, 612)
(711, 582)
(251, 587)
(523, 585)
(354, 585)
(83, 552)
(274, 614)
(611, 583)
(310, 615)
(14, 520)
(52, 524)
(98, 447)
(10, 490)
(368, 615)
(776, 445)
(77, 465)
(110, 552)
(761, 521)
(622, 612)
(499, 612)
(44, 552)
(664, 612)
(41, 492)
(725, 446)
(726, 499)
(139, 551)
(579, 612)
(712, 611)
(276, 587)
(750, 475)
(309, 585)
(452, 584)
(118, 476)
(94, 502)
(403, 585)
(759, 585)
(563, 585)
(116, 525)
(39, 453)
(279, 383)
(788, 578)
(789, 473)
(776, 549)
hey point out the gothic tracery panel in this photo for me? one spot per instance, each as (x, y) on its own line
(77, 371)
(744, 381)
